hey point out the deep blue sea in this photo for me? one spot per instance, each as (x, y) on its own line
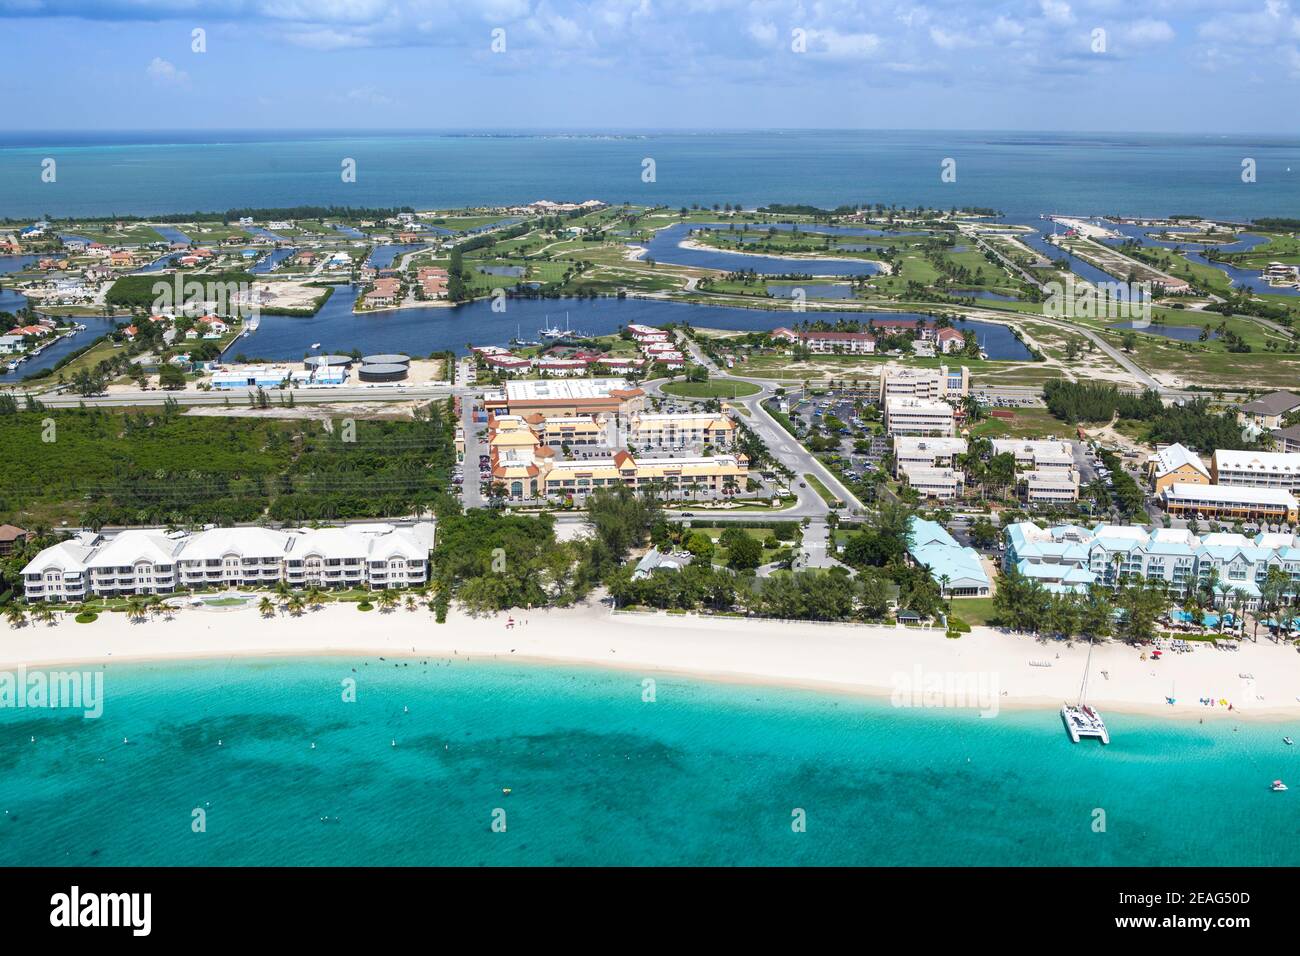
(706, 774)
(1021, 174)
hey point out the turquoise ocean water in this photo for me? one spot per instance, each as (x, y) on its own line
(1021, 174)
(706, 774)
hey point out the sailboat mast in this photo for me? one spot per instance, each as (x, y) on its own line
(1083, 688)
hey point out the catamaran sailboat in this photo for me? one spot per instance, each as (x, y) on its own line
(1081, 720)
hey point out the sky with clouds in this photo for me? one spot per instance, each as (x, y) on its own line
(1153, 65)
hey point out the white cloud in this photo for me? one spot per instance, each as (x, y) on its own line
(842, 46)
(764, 33)
(948, 40)
(1007, 29)
(1147, 32)
(1057, 11)
(327, 38)
(164, 73)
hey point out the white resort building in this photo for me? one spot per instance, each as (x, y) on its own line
(1068, 558)
(157, 562)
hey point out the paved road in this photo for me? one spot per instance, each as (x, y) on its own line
(472, 489)
(239, 396)
(780, 443)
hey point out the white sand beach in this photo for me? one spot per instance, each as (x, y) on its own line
(844, 658)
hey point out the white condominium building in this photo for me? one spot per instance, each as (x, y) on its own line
(924, 383)
(230, 557)
(1046, 468)
(1038, 454)
(1257, 469)
(60, 573)
(1071, 557)
(1048, 485)
(911, 452)
(157, 562)
(914, 416)
(135, 562)
(942, 483)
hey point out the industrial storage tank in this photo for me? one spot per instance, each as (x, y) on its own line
(328, 361)
(383, 372)
(394, 359)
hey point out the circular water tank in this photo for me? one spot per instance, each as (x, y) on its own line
(383, 372)
(328, 361)
(394, 359)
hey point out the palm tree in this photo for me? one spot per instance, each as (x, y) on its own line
(43, 614)
(135, 610)
(295, 604)
(315, 599)
(15, 615)
(266, 606)
(387, 599)
(411, 603)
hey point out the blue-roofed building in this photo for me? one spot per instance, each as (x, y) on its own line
(958, 571)
(1070, 557)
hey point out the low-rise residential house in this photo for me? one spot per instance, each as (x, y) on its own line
(1268, 410)
(958, 571)
(508, 364)
(563, 368)
(10, 536)
(949, 340)
(656, 560)
(1287, 440)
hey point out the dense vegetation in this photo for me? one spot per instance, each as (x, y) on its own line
(137, 291)
(160, 467)
(1191, 423)
(1076, 402)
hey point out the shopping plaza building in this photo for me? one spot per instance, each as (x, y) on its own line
(528, 468)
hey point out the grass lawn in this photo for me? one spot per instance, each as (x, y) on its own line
(712, 389)
(973, 610)
(1027, 423)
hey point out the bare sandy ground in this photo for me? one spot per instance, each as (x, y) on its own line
(810, 256)
(1259, 680)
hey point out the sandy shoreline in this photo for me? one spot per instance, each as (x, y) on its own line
(809, 256)
(855, 659)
